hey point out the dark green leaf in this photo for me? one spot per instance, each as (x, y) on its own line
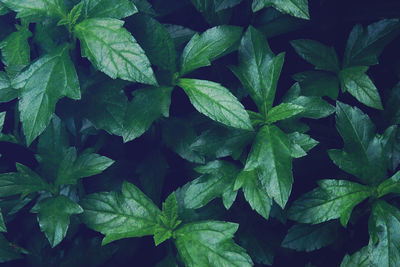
(270, 157)
(365, 45)
(23, 182)
(3, 227)
(318, 83)
(53, 216)
(113, 50)
(284, 111)
(117, 9)
(2, 117)
(148, 104)
(36, 10)
(130, 214)
(358, 84)
(210, 45)
(46, 81)
(296, 8)
(216, 102)
(210, 243)
(301, 144)
(3, 9)
(305, 237)
(224, 4)
(216, 179)
(320, 55)
(314, 107)
(7, 251)
(7, 93)
(391, 185)
(360, 259)
(179, 34)
(331, 200)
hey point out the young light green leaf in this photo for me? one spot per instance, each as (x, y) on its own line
(365, 45)
(113, 50)
(15, 50)
(7, 93)
(270, 157)
(318, 83)
(384, 236)
(360, 259)
(73, 167)
(36, 10)
(358, 84)
(210, 243)
(46, 81)
(296, 8)
(117, 9)
(331, 200)
(320, 55)
(53, 217)
(305, 237)
(216, 102)
(301, 144)
(210, 45)
(218, 177)
(219, 142)
(283, 111)
(148, 105)
(255, 193)
(168, 220)
(130, 214)
(314, 107)
(23, 182)
(7, 250)
(258, 69)
(156, 41)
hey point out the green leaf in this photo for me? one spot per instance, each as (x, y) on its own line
(72, 168)
(113, 50)
(53, 216)
(391, 185)
(210, 243)
(168, 220)
(216, 102)
(130, 214)
(217, 178)
(210, 45)
(296, 8)
(117, 9)
(179, 34)
(48, 79)
(36, 10)
(270, 157)
(224, 4)
(15, 50)
(331, 200)
(3, 227)
(3, 9)
(305, 237)
(318, 83)
(283, 111)
(314, 107)
(258, 69)
(255, 193)
(358, 84)
(320, 55)
(7, 250)
(148, 105)
(301, 144)
(365, 45)
(219, 142)
(383, 227)
(23, 182)
(2, 117)
(7, 93)
(156, 41)
(361, 259)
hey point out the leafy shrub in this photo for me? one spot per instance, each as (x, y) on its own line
(209, 133)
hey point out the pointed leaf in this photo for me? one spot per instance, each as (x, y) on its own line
(314, 107)
(113, 50)
(46, 81)
(36, 10)
(318, 83)
(391, 185)
(296, 8)
(130, 214)
(210, 45)
(7, 250)
(320, 55)
(301, 144)
(283, 111)
(270, 157)
(210, 243)
(117, 9)
(53, 216)
(361, 258)
(148, 104)
(331, 200)
(216, 102)
(3, 227)
(7, 93)
(358, 84)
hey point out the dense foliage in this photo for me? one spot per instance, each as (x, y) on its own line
(199, 133)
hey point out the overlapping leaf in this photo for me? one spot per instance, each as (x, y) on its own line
(117, 9)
